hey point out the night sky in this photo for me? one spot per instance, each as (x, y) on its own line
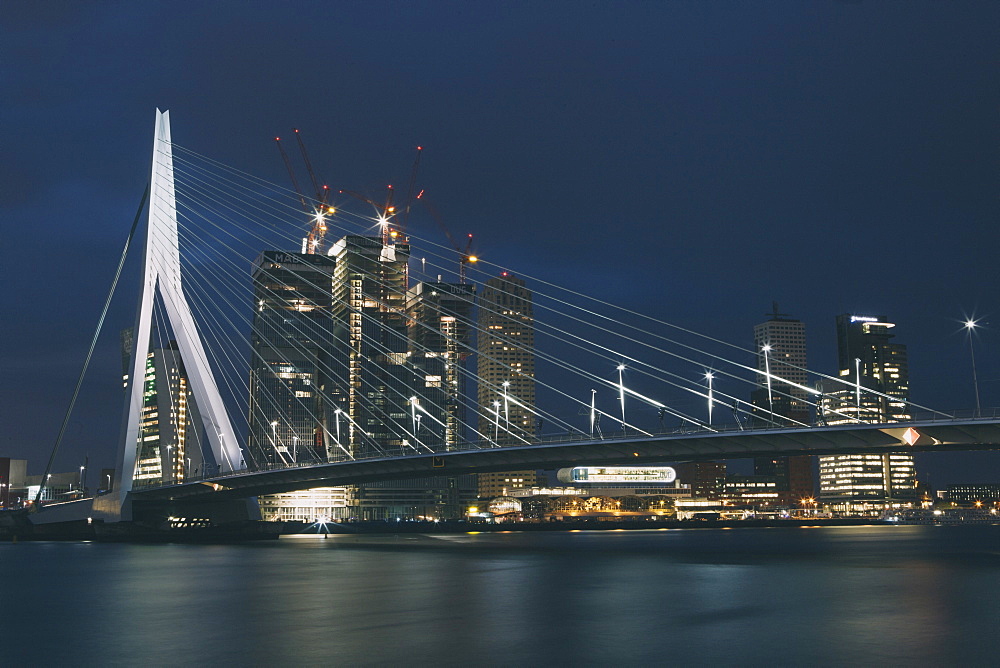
(696, 160)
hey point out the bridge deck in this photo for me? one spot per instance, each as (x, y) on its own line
(947, 435)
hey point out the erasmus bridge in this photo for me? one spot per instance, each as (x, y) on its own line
(394, 395)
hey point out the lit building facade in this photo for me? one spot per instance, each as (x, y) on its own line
(875, 387)
(785, 363)
(12, 482)
(321, 504)
(170, 440)
(403, 353)
(369, 304)
(294, 392)
(707, 479)
(292, 389)
(984, 494)
(441, 324)
(787, 397)
(506, 372)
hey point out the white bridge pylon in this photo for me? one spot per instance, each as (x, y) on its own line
(162, 274)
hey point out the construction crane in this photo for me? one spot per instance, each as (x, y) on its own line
(465, 255)
(386, 212)
(409, 190)
(320, 208)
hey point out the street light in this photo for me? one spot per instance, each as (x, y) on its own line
(506, 406)
(621, 393)
(709, 377)
(413, 419)
(295, 448)
(969, 326)
(593, 411)
(274, 440)
(496, 422)
(767, 375)
(857, 388)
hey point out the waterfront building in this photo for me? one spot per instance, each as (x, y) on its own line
(707, 479)
(369, 302)
(757, 491)
(794, 477)
(59, 486)
(506, 373)
(321, 504)
(170, 438)
(874, 387)
(403, 357)
(984, 494)
(785, 396)
(782, 377)
(12, 481)
(440, 498)
(293, 393)
(440, 326)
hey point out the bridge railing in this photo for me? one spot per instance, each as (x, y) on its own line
(992, 414)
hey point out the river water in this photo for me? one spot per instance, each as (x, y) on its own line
(830, 596)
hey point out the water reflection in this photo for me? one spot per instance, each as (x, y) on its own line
(890, 595)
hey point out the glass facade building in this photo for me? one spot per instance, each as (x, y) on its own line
(506, 373)
(874, 387)
(293, 391)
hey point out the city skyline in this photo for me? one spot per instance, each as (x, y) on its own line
(897, 160)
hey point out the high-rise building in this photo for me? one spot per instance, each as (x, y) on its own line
(783, 400)
(874, 387)
(369, 302)
(293, 392)
(506, 372)
(780, 345)
(440, 344)
(403, 352)
(170, 440)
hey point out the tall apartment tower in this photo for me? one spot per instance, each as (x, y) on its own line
(506, 372)
(400, 349)
(441, 328)
(170, 443)
(785, 361)
(869, 361)
(369, 302)
(292, 390)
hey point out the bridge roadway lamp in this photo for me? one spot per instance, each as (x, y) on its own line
(767, 375)
(709, 377)
(593, 411)
(496, 422)
(506, 406)
(857, 388)
(274, 441)
(969, 326)
(413, 418)
(621, 393)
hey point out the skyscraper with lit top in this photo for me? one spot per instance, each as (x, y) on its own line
(506, 372)
(874, 387)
